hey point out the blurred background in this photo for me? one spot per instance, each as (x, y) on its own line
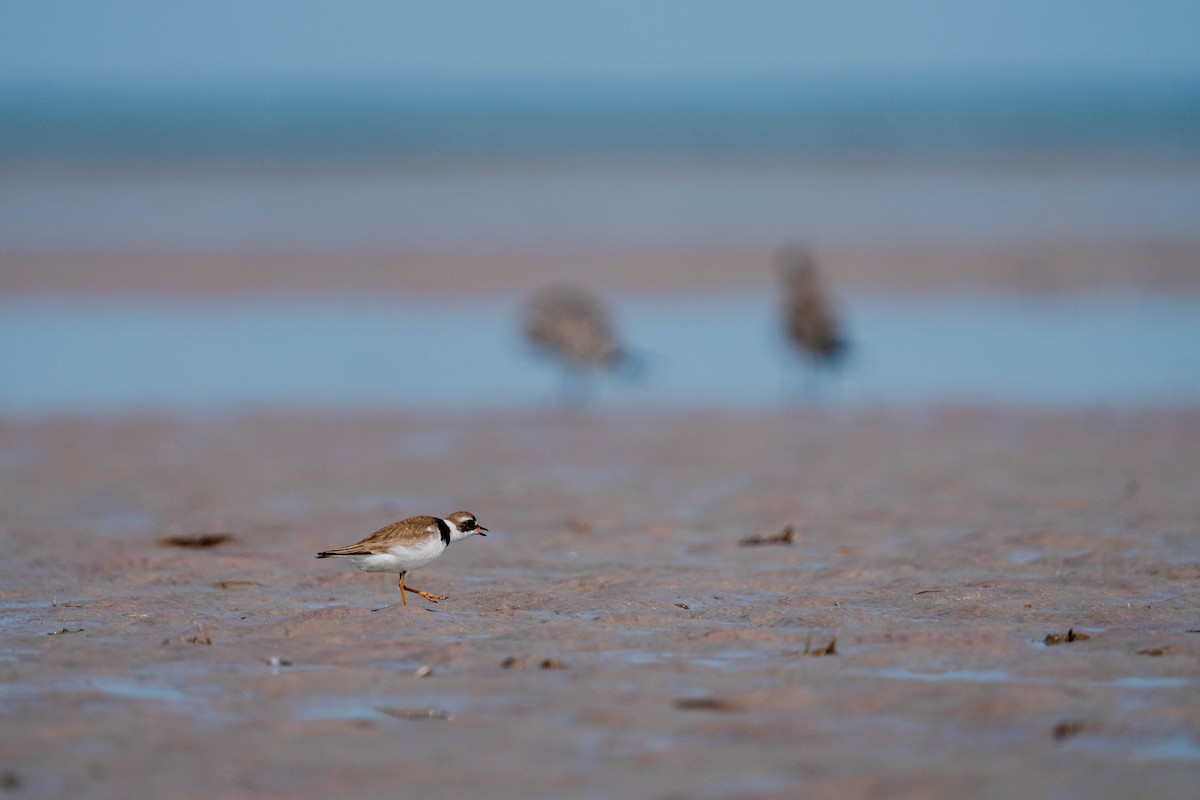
(322, 186)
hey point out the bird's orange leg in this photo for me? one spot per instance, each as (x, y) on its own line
(433, 598)
(403, 596)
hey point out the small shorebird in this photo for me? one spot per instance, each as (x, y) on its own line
(407, 545)
(572, 326)
(813, 328)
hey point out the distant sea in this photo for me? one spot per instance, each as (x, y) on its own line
(333, 166)
(883, 119)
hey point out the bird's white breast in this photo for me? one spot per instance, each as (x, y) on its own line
(402, 558)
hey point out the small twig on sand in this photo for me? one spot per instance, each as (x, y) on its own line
(783, 537)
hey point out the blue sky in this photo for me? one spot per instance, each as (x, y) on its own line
(272, 41)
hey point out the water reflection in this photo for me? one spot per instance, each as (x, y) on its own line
(717, 351)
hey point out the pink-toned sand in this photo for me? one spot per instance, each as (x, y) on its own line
(1054, 265)
(612, 637)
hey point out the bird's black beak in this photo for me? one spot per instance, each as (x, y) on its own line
(480, 530)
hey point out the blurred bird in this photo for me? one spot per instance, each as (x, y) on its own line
(571, 325)
(813, 327)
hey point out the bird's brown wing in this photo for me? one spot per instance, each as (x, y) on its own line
(387, 537)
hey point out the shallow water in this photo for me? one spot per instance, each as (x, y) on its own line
(701, 352)
(1000, 676)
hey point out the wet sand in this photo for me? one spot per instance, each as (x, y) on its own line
(612, 636)
(1036, 266)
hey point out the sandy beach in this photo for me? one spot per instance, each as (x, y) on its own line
(976, 602)
(929, 600)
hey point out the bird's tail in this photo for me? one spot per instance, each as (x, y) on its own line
(348, 550)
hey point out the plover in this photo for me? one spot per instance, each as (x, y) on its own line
(572, 326)
(407, 545)
(811, 321)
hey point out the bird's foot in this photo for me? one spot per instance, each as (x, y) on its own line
(433, 598)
